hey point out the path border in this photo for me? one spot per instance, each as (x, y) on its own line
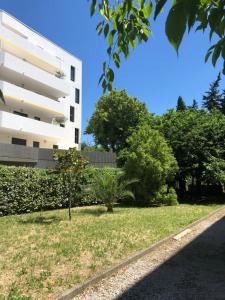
(71, 293)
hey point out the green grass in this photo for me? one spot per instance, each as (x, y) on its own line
(42, 254)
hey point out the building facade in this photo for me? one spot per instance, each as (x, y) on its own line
(42, 87)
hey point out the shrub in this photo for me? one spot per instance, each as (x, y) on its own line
(109, 187)
(149, 159)
(165, 197)
(24, 189)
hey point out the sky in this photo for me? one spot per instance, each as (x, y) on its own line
(153, 73)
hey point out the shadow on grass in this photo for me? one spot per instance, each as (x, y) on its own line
(97, 212)
(41, 220)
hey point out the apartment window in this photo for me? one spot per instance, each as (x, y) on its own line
(20, 113)
(36, 144)
(72, 73)
(55, 147)
(37, 118)
(77, 96)
(71, 113)
(21, 142)
(76, 136)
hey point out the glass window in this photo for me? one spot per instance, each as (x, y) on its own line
(36, 144)
(72, 73)
(20, 113)
(77, 96)
(55, 147)
(71, 113)
(16, 141)
(76, 136)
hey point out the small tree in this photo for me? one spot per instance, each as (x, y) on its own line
(181, 106)
(149, 159)
(70, 164)
(109, 187)
(194, 105)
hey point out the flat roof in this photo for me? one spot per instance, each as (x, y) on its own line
(36, 32)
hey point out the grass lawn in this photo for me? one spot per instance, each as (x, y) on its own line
(42, 254)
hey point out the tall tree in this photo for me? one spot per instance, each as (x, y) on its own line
(114, 118)
(211, 99)
(194, 104)
(181, 106)
(222, 102)
(126, 23)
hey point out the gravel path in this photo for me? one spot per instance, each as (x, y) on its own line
(191, 266)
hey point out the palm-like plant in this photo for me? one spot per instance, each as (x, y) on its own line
(109, 187)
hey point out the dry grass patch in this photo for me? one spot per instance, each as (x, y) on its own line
(42, 254)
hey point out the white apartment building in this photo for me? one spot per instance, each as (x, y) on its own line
(42, 87)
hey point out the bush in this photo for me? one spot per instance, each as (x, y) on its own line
(149, 159)
(165, 197)
(24, 189)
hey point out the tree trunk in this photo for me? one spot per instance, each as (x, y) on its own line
(70, 218)
(110, 208)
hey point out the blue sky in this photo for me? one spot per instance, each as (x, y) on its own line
(153, 72)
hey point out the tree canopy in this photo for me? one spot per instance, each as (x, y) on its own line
(114, 118)
(127, 22)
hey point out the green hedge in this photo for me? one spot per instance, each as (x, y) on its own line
(24, 189)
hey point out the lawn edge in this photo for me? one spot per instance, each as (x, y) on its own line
(72, 292)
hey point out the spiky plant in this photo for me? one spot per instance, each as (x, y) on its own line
(110, 187)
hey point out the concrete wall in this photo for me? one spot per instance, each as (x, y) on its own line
(43, 158)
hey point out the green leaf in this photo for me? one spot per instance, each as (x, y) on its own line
(116, 59)
(176, 25)
(106, 30)
(159, 7)
(93, 7)
(216, 54)
(110, 74)
(110, 37)
(147, 9)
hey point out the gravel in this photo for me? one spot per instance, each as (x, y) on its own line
(191, 267)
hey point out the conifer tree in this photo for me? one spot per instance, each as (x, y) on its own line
(211, 99)
(194, 104)
(181, 106)
(222, 102)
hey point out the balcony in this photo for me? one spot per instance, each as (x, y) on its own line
(22, 47)
(20, 72)
(18, 97)
(14, 124)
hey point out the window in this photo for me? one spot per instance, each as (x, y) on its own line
(72, 73)
(37, 118)
(76, 136)
(77, 96)
(55, 147)
(21, 142)
(62, 125)
(20, 113)
(36, 144)
(71, 113)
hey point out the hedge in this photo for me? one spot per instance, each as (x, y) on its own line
(24, 189)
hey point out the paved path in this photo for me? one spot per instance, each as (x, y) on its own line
(189, 267)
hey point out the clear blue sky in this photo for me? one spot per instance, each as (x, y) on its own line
(153, 72)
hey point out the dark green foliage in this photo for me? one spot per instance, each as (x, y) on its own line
(91, 148)
(212, 98)
(194, 105)
(24, 190)
(195, 136)
(149, 159)
(181, 106)
(114, 118)
(222, 102)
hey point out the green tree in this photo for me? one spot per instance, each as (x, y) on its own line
(126, 22)
(149, 159)
(114, 118)
(70, 164)
(91, 148)
(195, 136)
(222, 102)
(110, 187)
(212, 98)
(181, 106)
(194, 105)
